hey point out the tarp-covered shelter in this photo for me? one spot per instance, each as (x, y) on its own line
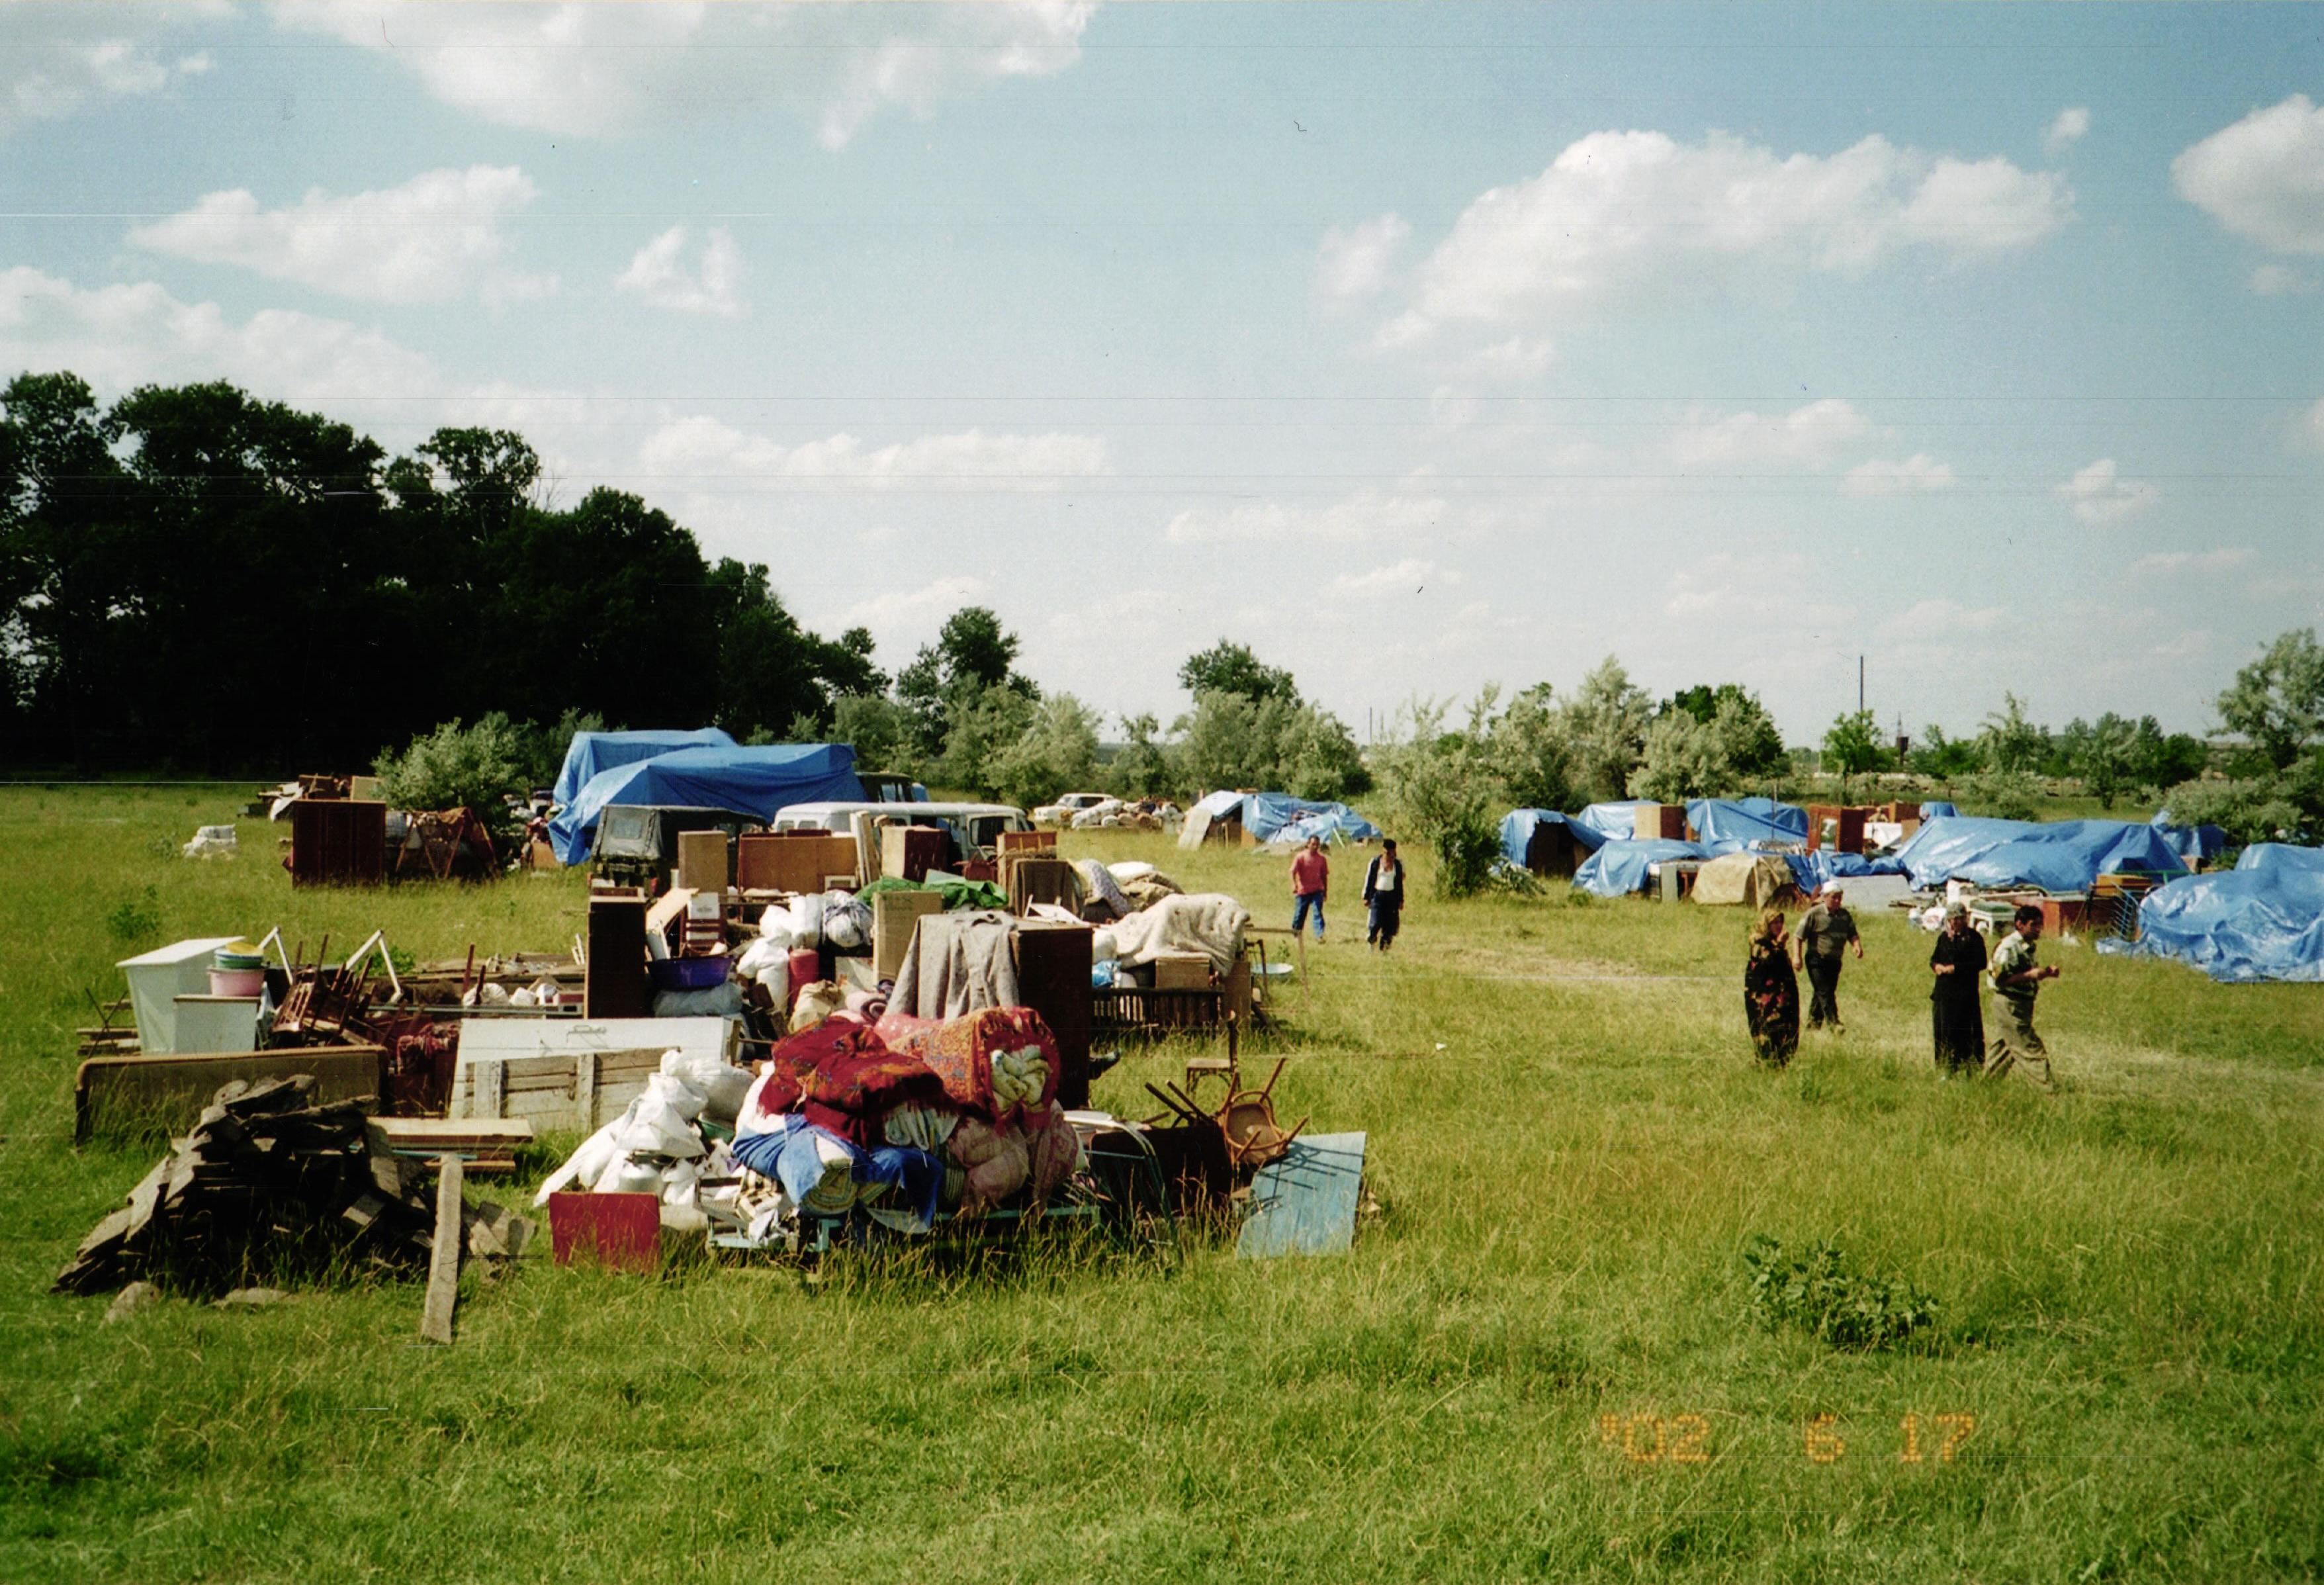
(754, 781)
(1810, 871)
(1622, 867)
(1548, 842)
(590, 753)
(1728, 825)
(1938, 809)
(1217, 814)
(1756, 880)
(2261, 922)
(1618, 819)
(2057, 856)
(2196, 845)
(1271, 816)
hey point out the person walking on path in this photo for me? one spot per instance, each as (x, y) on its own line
(1384, 896)
(2016, 981)
(1956, 1009)
(1771, 993)
(1826, 933)
(1310, 878)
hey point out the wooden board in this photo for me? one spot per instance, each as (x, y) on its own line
(444, 1255)
(702, 861)
(166, 1091)
(1306, 1203)
(568, 1074)
(791, 860)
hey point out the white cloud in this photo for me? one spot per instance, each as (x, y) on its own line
(658, 274)
(1410, 576)
(2187, 646)
(2281, 281)
(599, 70)
(2175, 563)
(1721, 594)
(119, 336)
(60, 58)
(1621, 214)
(1806, 435)
(702, 454)
(1519, 358)
(1352, 265)
(896, 608)
(1916, 474)
(433, 239)
(2263, 178)
(1365, 515)
(1933, 618)
(2071, 126)
(2099, 496)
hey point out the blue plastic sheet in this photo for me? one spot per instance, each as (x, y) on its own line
(2061, 855)
(2191, 843)
(1219, 803)
(752, 781)
(590, 753)
(1269, 815)
(2239, 925)
(1618, 819)
(1518, 825)
(2278, 855)
(1938, 809)
(1810, 871)
(1621, 867)
(1732, 825)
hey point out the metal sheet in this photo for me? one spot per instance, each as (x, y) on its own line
(1306, 1203)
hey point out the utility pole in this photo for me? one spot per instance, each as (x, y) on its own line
(1860, 685)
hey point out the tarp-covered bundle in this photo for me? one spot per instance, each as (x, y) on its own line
(1810, 871)
(1729, 825)
(1621, 867)
(752, 781)
(2262, 921)
(1756, 880)
(1279, 819)
(1618, 819)
(1518, 826)
(2057, 856)
(590, 753)
(2196, 844)
(1938, 809)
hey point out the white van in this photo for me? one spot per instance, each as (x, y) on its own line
(975, 827)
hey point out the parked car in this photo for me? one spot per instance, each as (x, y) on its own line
(1062, 812)
(974, 827)
(637, 843)
(890, 787)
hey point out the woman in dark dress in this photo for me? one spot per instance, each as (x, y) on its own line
(1956, 1004)
(1771, 991)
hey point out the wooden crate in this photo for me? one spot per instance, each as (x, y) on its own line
(568, 1075)
(1024, 842)
(791, 860)
(1128, 1009)
(1182, 970)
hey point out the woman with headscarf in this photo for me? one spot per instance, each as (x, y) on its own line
(1771, 991)
(1955, 1013)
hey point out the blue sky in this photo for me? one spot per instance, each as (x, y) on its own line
(1417, 347)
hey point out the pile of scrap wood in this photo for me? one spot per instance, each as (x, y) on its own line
(268, 1188)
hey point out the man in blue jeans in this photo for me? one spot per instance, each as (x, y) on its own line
(1311, 877)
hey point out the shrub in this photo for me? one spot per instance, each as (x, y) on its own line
(1817, 1291)
(455, 766)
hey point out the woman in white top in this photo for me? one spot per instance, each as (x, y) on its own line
(1384, 896)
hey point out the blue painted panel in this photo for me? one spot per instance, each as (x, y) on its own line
(1306, 1203)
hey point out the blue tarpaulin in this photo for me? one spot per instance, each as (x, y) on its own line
(1730, 825)
(1269, 815)
(1810, 871)
(1938, 809)
(2279, 856)
(590, 753)
(1618, 819)
(1621, 867)
(1518, 825)
(2061, 855)
(2239, 925)
(750, 781)
(2191, 843)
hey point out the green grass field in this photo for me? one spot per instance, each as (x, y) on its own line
(1571, 1151)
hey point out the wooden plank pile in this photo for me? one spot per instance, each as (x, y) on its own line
(268, 1189)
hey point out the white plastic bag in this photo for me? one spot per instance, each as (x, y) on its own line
(775, 926)
(846, 923)
(807, 920)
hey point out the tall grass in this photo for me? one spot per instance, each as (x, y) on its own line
(1509, 1376)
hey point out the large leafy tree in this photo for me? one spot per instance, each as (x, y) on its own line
(2277, 702)
(1228, 668)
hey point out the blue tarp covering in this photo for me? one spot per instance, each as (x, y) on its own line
(752, 781)
(1270, 816)
(1620, 867)
(2279, 856)
(1618, 820)
(1810, 871)
(2191, 843)
(590, 753)
(2061, 856)
(1730, 825)
(1518, 825)
(1938, 809)
(1219, 803)
(2240, 925)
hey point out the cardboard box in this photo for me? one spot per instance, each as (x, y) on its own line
(791, 860)
(1660, 822)
(908, 853)
(702, 861)
(895, 914)
(1182, 970)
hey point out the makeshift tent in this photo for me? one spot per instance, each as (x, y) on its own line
(2061, 856)
(1546, 841)
(590, 753)
(1618, 819)
(2277, 855)
(1729, 825)
(1756, 880)
(1220, 809)
(2193, 843)
(754, 781)
(2237, 925)
(1938, 809)
(1810, 871)
(1622, 867)
(1337, 825)
(1269, 817)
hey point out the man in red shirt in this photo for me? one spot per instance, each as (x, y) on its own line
(1311, 877)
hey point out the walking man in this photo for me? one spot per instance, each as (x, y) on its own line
(2016, 981)
(1384, 896)
(1311, 877)
(1826, 934)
